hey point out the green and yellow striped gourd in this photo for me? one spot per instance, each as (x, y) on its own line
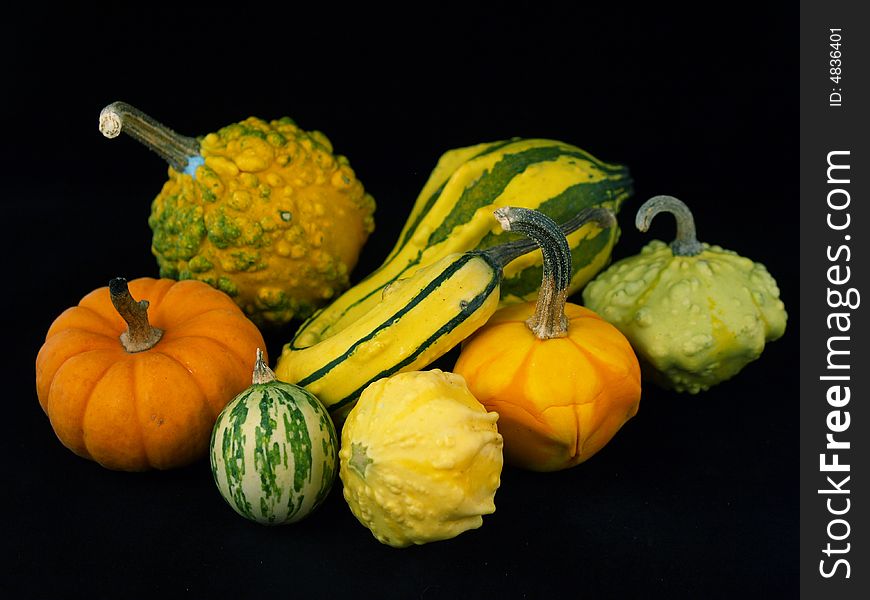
(453, 214)
(420, 318)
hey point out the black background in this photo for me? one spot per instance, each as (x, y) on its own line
(695, 497)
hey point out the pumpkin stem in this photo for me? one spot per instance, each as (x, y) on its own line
(549, 320)
(686, 243)
(262, 372)
(140, 335)
(181, 152)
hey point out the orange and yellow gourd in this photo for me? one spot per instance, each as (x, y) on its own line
(562, 379)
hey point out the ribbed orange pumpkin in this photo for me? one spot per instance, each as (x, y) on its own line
(143, 390)
(562, 380)
(559, 400)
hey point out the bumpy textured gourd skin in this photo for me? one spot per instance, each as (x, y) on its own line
(453, 213)
(274, 453)
(694, 320)
(559, 400)
(420, 458)
(150, 409)
(272, 218)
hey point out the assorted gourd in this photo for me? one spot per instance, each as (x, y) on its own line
(259, 223)
(135, 385)
(421, 458)
(562, 380)
(453, 214)
(263, 211)
(696, 314)
(274, 450)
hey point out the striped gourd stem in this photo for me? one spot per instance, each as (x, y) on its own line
(549, 320)
(686, 243)
(140, 334)
(176, 149)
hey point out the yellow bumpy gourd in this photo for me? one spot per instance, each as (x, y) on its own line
(420, 458)
(261, 210)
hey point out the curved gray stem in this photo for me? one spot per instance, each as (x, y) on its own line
(549, 320)
(504, 253)
(686, 243)
(175, 149)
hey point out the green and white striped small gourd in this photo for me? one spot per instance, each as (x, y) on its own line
(274, 451)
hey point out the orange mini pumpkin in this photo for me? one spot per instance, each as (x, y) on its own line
(562, 380)
(138, 385)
